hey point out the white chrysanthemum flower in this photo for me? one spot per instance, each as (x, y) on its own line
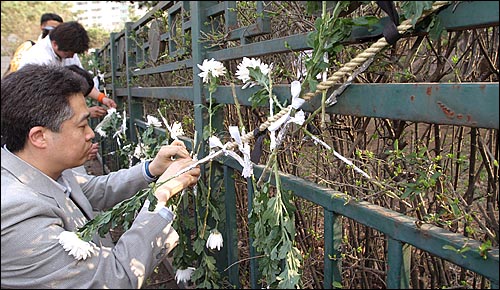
(213, 67)
(139, 149)
(176, 130)
(215, 240)
(153, 121)
(243, 73)
(183, 275)
(76, 247)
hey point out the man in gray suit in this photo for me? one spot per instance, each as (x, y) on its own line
(45, 133)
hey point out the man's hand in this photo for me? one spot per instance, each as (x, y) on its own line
(108, 102)
(163, 159)
(169, 188)
(97, 111)
(93, 151)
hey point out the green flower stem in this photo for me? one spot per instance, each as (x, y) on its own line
(270, 91)
(209, 189)
(237, 106)
(272, 158)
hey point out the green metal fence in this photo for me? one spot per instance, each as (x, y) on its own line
(136, 51)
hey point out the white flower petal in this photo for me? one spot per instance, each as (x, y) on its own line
(176, 130)
(183, 275)
(215, 240)
(153, 121)
(211, 67)
(76, 247)
(243, 74)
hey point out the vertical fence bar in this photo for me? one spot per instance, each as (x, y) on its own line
(398, 265)
(253, 262)
(198, 17)
(114, 60)
(134, 107)
(332, 258)
(231, 233)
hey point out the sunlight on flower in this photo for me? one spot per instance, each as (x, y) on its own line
(76, 247)
(215, 240)
(243, 73)
(183, 275)
(153, 121)
(211, 67)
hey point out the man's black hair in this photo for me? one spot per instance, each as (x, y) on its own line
(88, 77)
(70, 36)
(50, 16)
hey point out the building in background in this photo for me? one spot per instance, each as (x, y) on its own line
(108, 15)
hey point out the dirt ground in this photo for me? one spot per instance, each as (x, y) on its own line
(161, 278)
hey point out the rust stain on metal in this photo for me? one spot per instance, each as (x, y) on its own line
(460, 116)
(412, 98)
(429, 91)
(447, 111)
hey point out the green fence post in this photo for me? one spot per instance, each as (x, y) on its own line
(231, 234)
(134, 106)
(398, 265)
(332, 258)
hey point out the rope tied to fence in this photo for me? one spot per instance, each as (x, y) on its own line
(368, 53)
(361, 60)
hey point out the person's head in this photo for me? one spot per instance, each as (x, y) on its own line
(86, 75)
(43, 108)
(69, 38)
(49, 21)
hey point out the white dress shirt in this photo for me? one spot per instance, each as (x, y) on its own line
(43, 53)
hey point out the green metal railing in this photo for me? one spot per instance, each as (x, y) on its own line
(461, 104)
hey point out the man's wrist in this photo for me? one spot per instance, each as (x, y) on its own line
(101, 97)
(147, 174)
(167, 214)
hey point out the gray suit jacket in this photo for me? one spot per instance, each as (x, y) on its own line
(35, 210)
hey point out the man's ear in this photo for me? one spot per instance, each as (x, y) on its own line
(38, 137)
(54, 45)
